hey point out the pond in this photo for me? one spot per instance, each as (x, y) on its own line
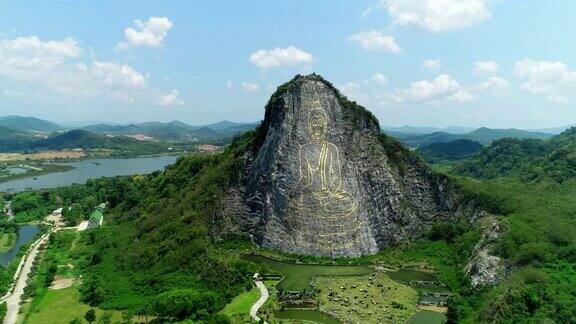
(89, 169)
(16, 170)
(297, 277)
(408, 275)
(310, 316)
(427, 317)
(25, 235)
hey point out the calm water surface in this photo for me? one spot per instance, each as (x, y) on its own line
(89, 169)
(25, 234)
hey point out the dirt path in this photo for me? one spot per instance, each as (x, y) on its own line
(263, 297)
(13, 300)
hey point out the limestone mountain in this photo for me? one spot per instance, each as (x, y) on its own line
(320, 179)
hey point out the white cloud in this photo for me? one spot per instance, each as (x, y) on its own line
(172, 98)
(150, 33)
(53, 70)
(494, 84)
(462, 96)
(553, 79)
(437, 15)
(442, 88)
(250, 87)
(34, 47)
(431, 64)
(277, 57)
(117, 75)
(379, 78)
(486, 67)
(229, 84)
(376, 41)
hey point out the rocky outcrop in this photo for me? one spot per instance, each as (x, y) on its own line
(484, 268)
(322, 180)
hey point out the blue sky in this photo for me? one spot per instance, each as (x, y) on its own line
(417, 62)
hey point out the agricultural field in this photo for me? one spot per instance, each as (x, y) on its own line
(44, 155)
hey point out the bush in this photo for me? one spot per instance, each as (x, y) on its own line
(185, 303)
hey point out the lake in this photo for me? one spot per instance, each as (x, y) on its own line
(89, 169)
(25, 234)
(297, 277)
(305, 316)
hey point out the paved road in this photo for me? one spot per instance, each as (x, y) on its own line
(263, 297)
(13, 301)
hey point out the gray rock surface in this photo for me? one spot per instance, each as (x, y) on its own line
(484, 268)
(321, 179)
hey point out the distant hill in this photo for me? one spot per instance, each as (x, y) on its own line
(81, 139)
(530, 159)
(481, 135)
(451, 151)
(225, 124)
(425, 139)
(415, 130)
(174, 130)
(9, 132)
(487, 135)
(29, 124)
(553, 130)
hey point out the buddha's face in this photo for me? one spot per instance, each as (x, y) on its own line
(317, 126)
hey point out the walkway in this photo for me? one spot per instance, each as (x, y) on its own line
(263, 297)
(13, 300)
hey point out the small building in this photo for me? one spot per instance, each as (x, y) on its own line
(96, 219)
(57, 212)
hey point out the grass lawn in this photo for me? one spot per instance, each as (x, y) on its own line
(7, 241)
(241, 304)
(62, 306)
(366, 299)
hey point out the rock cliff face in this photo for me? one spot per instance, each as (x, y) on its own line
(484, 268)
(322, 180)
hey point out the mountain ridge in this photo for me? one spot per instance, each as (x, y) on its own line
(369, 186)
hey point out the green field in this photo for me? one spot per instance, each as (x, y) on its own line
(297, 277)
(366, 299)
(63, 306)
(7, 241)
(241, 304)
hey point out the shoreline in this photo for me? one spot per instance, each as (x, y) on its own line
(61, 165)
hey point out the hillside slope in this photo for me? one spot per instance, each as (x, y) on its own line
(530, 159)
(481, 135)
(451, 151)
(29, 124)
